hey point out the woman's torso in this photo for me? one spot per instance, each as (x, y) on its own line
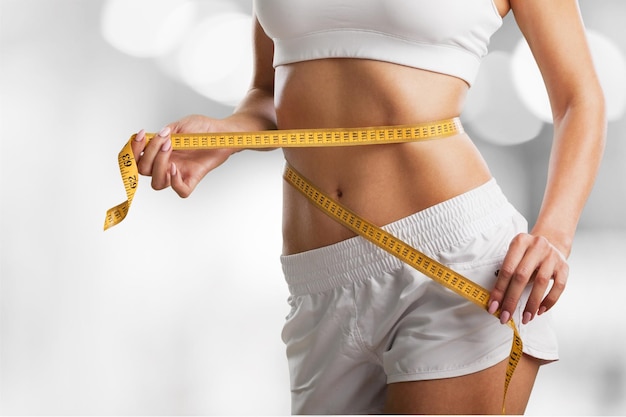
(382, 183)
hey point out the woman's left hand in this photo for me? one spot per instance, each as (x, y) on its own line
(532, 260)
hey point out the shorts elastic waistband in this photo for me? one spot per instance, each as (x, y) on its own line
(430, 231)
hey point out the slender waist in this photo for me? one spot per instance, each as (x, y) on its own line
(382, 183)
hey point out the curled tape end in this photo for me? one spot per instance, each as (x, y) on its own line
(115, 215)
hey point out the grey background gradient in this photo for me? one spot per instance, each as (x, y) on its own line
(179, 309)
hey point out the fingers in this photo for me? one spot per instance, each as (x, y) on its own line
(161, 162)
(182, 188)
(182, 170)
(138, 144)
(153, 158)
(529, 259)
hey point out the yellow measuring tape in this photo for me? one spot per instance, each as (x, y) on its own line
(406, 253)
(296, 138)
(323, 138)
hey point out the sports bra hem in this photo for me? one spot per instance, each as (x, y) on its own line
(380, 47)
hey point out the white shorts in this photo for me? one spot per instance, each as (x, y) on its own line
(361, 319)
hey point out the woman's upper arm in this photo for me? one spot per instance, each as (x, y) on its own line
(263, 56)
(256, 111)
(555, 33)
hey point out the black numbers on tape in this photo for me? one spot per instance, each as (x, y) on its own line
(127, 160)
(286, 138)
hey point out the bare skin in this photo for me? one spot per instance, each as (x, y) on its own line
(413, 176)
(388, 182)
(479, 393)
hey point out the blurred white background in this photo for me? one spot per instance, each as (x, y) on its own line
(161, 315)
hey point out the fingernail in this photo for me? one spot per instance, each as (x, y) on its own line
(504, 317)
(164, 132)
(140, 135)
(527, 317)
(542, 310)
(173, 169)
(493, 307)
(166, 146)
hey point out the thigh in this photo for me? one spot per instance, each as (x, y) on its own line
(477, 393)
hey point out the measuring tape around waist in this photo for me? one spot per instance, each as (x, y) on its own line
(302, 138)
(409, 255)
(323, 138)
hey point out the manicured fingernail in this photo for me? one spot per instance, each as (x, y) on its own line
(542, 310)
(173, 169)
(140, 135)
(166, 146)
(493, 307)
(528, 316)
(164, 132)
(504, 317)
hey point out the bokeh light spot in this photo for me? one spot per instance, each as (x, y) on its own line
(529, 83)
(610, 65)
(216, 58)
(493, 109)
(146, 28)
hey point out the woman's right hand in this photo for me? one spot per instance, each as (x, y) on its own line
(180, 169)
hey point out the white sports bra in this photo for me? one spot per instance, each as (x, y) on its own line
(446, 36)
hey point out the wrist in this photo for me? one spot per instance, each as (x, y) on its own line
(558, 238)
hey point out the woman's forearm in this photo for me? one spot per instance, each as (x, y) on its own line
(579, 138)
